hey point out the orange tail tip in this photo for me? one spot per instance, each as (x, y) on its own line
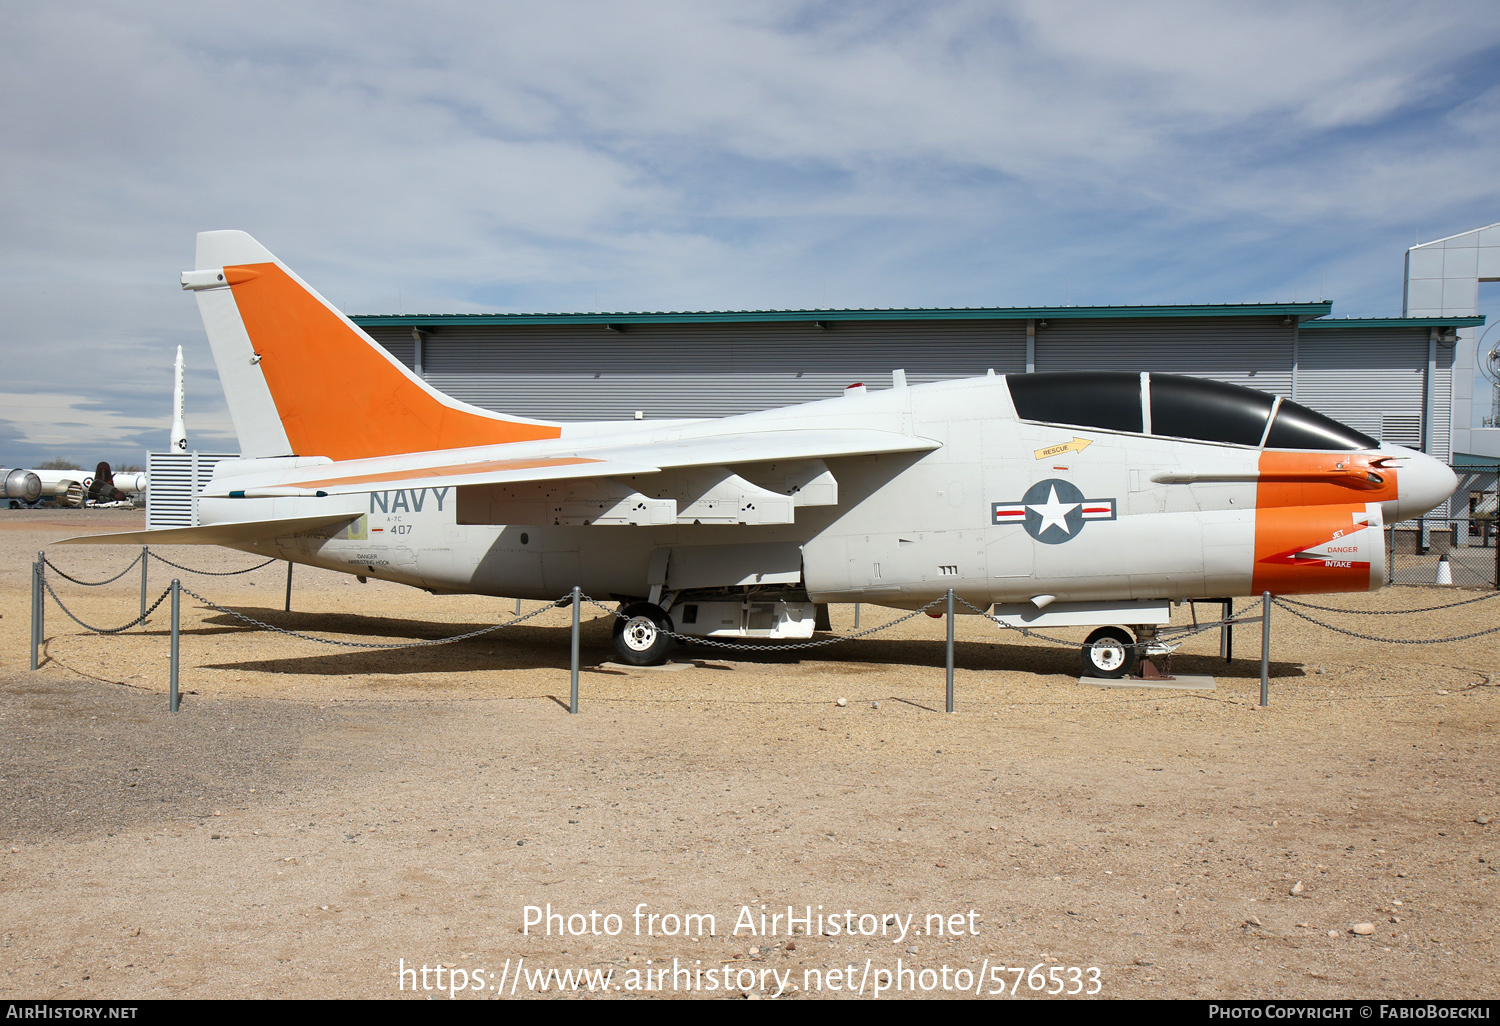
(304, 380)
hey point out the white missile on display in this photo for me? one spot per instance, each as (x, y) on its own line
(179, 428)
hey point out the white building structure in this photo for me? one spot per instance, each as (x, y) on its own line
(1442, 280)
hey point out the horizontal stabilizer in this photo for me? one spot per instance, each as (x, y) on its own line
(217, 534)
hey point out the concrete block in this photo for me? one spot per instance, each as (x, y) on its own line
(1181, 682)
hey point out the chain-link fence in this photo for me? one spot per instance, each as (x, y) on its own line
(1462, 551)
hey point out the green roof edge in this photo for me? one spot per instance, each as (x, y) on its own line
(1397, 322)
(1301, 311)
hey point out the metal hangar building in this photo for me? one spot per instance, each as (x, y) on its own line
(1391, 378)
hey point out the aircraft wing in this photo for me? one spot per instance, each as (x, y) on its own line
(591, 458)
(764, 446)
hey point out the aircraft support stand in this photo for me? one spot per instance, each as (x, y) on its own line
(1265, 649)
(573, 700)
(172, 698)
(950, 649)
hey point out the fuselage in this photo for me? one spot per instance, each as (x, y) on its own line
(1004, 508)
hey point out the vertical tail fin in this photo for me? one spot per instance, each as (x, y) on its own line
(303, 380)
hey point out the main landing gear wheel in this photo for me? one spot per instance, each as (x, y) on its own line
(641, 637)
(1109, 652)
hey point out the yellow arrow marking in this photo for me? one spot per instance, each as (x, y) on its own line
(1076, 445)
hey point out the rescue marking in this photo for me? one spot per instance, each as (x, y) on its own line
(1076, 445)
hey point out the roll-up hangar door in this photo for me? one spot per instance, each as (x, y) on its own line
(1373, 379)
(588, 372)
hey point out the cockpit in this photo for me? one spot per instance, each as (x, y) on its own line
(1178, 406)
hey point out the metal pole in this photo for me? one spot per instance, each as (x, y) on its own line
(856, 612)
(172, 699)
(1390, 555)
(950, 649)
(518, 607)
(41, 607)
(36, 610)
(145, 558)
(573, 700)
(1265, 648)
(1497, 554)
(1226, 631)
(289, 586)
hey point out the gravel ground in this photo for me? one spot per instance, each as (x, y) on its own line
(317, 820)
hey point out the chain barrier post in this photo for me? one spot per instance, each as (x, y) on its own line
(950, 649)
(172, 700)
(145, 559)
(289, 586)
(856, 616)
(36, 610)
(1496, 534)
(573, 699)
(1265, 649)
(41, 605)
(1226, 631)
(518, 607)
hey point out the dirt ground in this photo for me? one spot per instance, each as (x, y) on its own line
(329, 822)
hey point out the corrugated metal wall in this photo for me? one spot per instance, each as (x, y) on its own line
(1252, 351)
(1373, 379)
(587, 372)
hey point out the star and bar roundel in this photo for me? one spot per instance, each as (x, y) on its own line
(1052, 511)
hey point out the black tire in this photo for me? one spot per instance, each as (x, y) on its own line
(1109, 653)
(640, 635)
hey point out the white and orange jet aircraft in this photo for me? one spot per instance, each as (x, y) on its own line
(1074, 499)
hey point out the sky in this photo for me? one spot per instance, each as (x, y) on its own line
(663, 155)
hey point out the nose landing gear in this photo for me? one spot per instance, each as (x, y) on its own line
(1110, 653)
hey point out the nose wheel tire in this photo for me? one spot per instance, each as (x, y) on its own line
(1109, 652)
(641, 637)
